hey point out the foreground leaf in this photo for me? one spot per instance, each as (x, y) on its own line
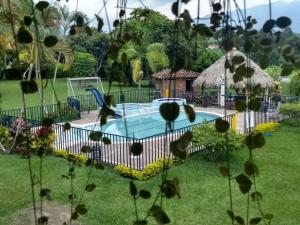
(159, 215)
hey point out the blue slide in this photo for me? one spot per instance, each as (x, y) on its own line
(100, 100)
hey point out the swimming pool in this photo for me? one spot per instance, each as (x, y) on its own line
(142, 126)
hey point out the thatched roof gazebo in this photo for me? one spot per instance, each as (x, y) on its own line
(214, 76)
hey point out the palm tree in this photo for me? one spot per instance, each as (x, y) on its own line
(155, 56)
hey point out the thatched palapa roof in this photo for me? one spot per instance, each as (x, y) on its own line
(165, 74)
(214, 75)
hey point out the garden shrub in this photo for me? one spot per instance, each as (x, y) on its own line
(62, 72)
(215, 142)
(24, 135)
(4, 136)
(266, 127)
(43, 139)
(84, 65)
(64, 154)
(149, 171)
(292, 111)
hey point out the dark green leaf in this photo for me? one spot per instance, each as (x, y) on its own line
(90, 187)
(29, 86)
(159, 215)
(108, 99)
(41, 5)
(266, 42)
(86, 149)
(99, 166)
(24, 37)
(283, 22)
(20, 139)
(248, 46)
(222, 125)
(27, 20)
(106, 141)
(88, 31)
(269, 25)
(132, 188)
(47, 122)
(170, 188)
(67, 126)
(237, 59)
(286, 70)
(255, 221)
(255, 104)
(121, 13)
(89, 162)
(100, 22)
(249, 25)
(136, 148)
(227, 44)
(268, 216)
(224, 171)
(244, 183)
(80, 209)
(169, 111)
(45, 192)
(116, 23)
(79, 20)
(175, 8)
(140, 222)
(50, 41)
(72, 196)
(256, 196)
(179, 147)
(251, 168)
(145, 194)
(189, 110)
(217, 7)
(103, 120)
(256, 140)
(264, 61)
(72, 31)
(239, 220)
(230, 214)
(43, 220)
(95, 135)
(74, 216)
(240, 106)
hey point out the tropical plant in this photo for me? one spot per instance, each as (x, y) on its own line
(295, 84)
(157, 57)
(215, 142)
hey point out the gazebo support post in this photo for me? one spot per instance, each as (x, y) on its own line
(219, 95)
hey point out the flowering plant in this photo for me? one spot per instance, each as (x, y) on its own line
(43, 140)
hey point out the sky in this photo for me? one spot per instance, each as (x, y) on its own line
(91, 7)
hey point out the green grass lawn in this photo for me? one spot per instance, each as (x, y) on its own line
(204, 191)
(12, 97)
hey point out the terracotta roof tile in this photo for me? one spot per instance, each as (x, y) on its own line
(164, 74)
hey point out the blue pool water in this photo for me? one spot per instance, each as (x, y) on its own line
(141, 126)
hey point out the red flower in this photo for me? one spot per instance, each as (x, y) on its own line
(44, 132)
